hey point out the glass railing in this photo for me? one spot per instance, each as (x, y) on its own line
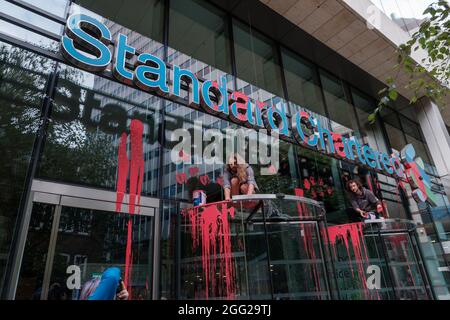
(281, 247)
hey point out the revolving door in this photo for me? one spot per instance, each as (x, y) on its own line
(280, 247)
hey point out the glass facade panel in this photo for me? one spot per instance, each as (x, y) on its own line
(36, 248)
(56, 7)
(393, 129)
(257, 60)
(91, 117)
(147, 21)
(200, 31)
(302, 83)
(26, 16)
(23, 78)
(370, 132)
(191, 132)
(341, 112)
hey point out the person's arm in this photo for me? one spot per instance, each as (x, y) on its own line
(107, 287)
(251, 180)
(251, 189)
(227, 185)
(374, 200)
(123, 294)
(357, 208)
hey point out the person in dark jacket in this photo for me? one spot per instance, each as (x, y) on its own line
(365, 205)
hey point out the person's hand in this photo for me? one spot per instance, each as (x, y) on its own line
(363, 213)
(123, 295)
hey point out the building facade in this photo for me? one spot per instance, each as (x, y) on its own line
(89, 178)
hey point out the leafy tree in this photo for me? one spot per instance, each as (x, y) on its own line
(431, 77)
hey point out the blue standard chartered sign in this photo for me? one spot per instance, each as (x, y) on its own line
(85, 44)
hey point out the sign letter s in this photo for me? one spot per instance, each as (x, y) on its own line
(85, 41)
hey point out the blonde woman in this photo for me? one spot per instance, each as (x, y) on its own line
(238, 178)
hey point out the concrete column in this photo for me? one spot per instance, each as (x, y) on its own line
(436, 137)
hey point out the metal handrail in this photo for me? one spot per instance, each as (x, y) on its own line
(279, 196)
(407, 223)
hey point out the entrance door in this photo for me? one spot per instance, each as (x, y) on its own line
(75, 233)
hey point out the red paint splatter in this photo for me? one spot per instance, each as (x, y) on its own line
(193, 171)
(369, 183)
(181, 178)
(135, 168)
(306, 184)
(204, 180)
(137, 163)
(399, 248)
(354, 233)
(272, 169)
(184, 156)
(308, 245)
(210, 225)
(122, 171)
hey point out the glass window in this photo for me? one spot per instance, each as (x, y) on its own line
(34, 18)
(189, 137)
(257, 59)
(25, 35)
(23, 77)
(56, 7)
(340, 110)
(320, 179)
(142, 16)
(410, 128)
(393, 129)
(301, 82)
(200, 31)
(371, 134)
(92, 120)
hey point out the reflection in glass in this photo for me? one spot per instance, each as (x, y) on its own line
(257, 60)
(90, 114)
(147, 21)
(200, 31)
(301, 82)
(95, 241)
(23, 77)
(36, 252)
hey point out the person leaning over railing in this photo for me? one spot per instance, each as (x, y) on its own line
(365, 205)
(238, 178)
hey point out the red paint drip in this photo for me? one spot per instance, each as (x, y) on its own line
(401, 253)
(135, 169)
(137, 163)
(353, 232)
(210, 225)
(122, 171)
(308, 245)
